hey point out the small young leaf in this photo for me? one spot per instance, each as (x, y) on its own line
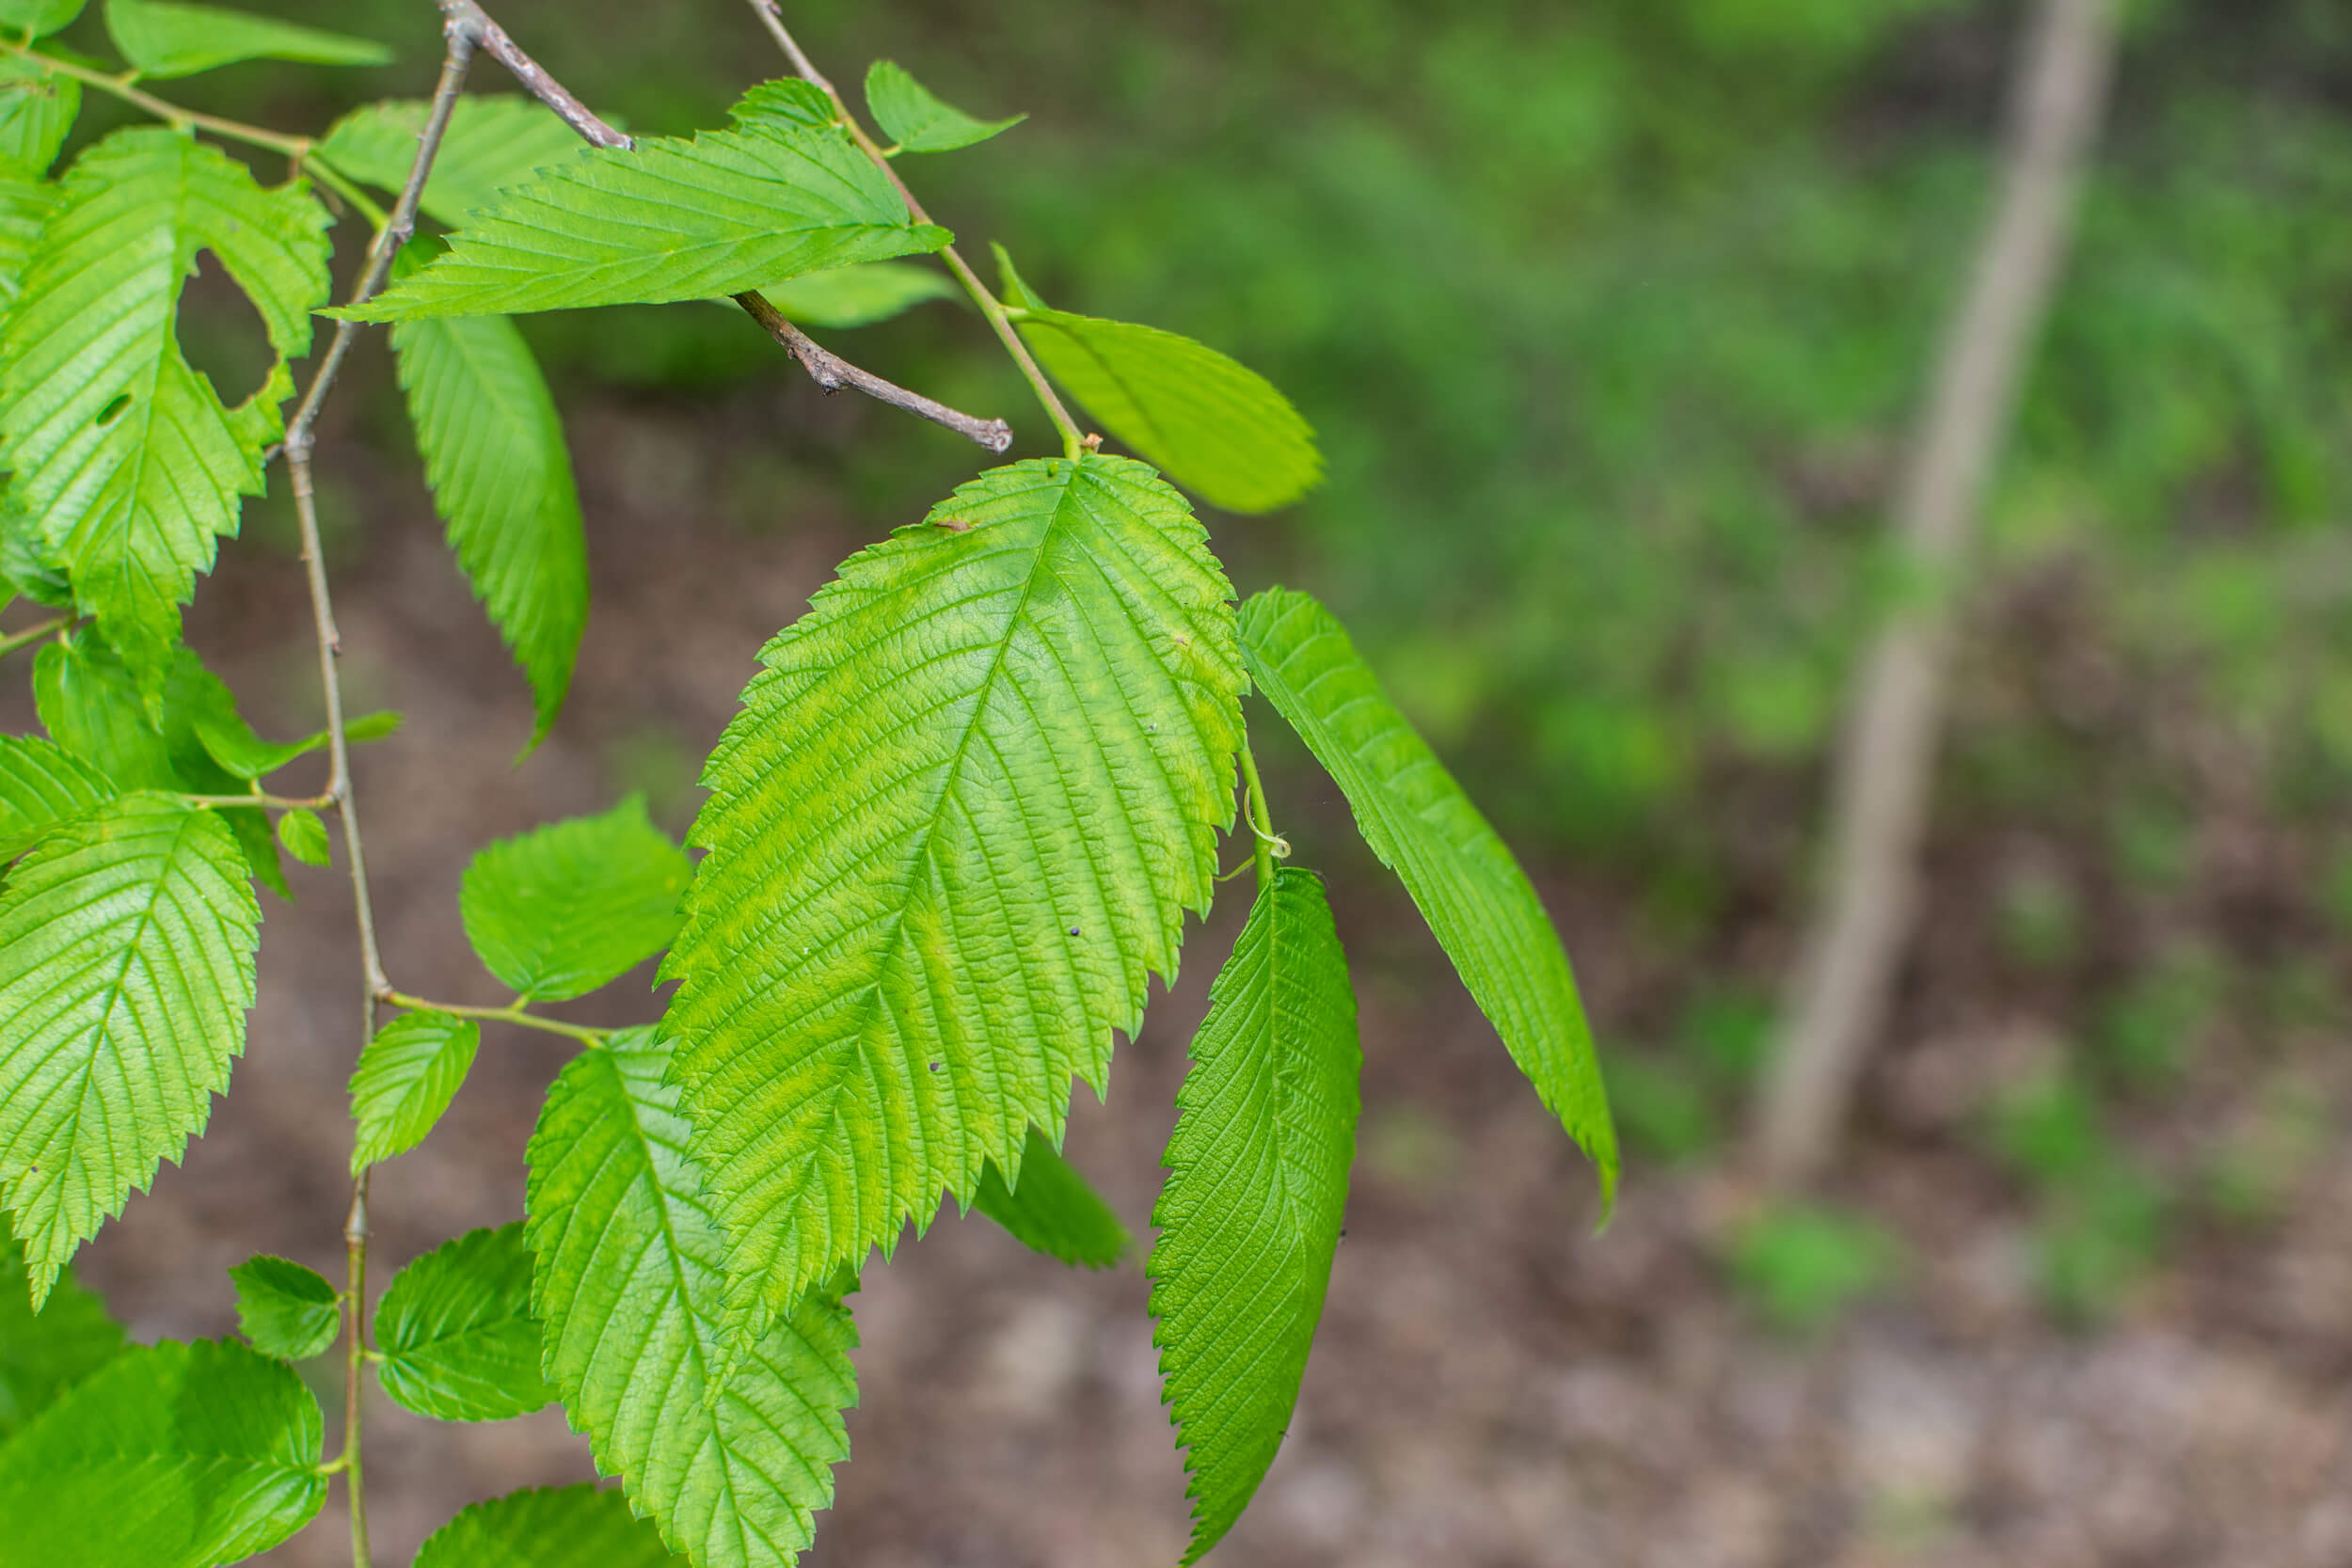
(42, 786)
(38, 17)
(858, 297)
(284, 1308)
(570, 1527)
(45, 1352)
(37, 106)
(1053, 1211)
(455, 1329)
(493, 142)
(785, 105)
(1462, 876)
(304, 836)
(405, 1079)
(169, 1456)
(164, 37)
(674, 219)
(918, 122)
(952, 834)
(557, 911)
(126, 968)
(494, 453)
(1210, 422)
(729, 1447)
(1257, 1182)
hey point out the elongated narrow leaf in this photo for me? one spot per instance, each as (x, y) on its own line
(494, 453)
(1051, 1210)
(858, 297)
(731, 1451)
(557, 911)
(952, 832)
(918, 122)
(126, 968)
(45, 1352)
(493, 141)
(405, 1079)
(124, 458)
(166, 37)
(38, 17)
(674, 219)
(284, 1308)
(1462, 876)
(570, 1527)
(36, 109)
(1210, 422)
(169, 1456)
(1257, 1183)
(42, 785)
(456, 1332)
(232, 743)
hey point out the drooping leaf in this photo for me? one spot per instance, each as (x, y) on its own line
(232, 743)
(918, 122)
(36, 109)
(166, 37)
(169, 1456)
(493, 141)
(42, 785)
(1462, 876)
(405, 1079)
(953, 832)
(1051, 1210)
(285, 1308)
(557, 911)
(126, 968)
(1257, 1183)
(675, 219)
(455, 1330)
(45, 1352)
(1209, 421)
(569, 1527)
(304, 836)
(494, 453)
(38, 17)
(858, 297)
(90, 706)
(731, 1453)
(124, 458)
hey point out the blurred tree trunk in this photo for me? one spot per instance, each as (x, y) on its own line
(1886, 762)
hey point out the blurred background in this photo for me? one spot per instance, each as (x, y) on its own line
(1612, 316)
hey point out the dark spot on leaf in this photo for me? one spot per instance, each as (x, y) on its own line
(114, 409)
(1073, 930)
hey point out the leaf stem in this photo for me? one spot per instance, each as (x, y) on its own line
(31, 635)
(993, 308)
(120, 87)
(266, 802)
(512, 1013)
(1267, 846)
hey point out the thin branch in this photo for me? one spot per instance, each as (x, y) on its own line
(493, 39)
(30, 635)
(833, 373)
(512, 1013)
(989, 306)
(1264, 848)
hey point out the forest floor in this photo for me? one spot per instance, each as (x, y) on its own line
(1495, 1383)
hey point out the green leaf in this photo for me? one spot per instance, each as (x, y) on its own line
(1257, 1184)
(38, 17)
(493, 141)
(285, 1308)
(493, 449)
(557, 911)
(231, 744)
(405, 1079)
(169, 1456)
(570, 1527)
(784, 105)
(917, 122)
(40, 786)
(125, 459)
(45, 1352)
(952, 834)
(730, 1448)
(1210, 421)
(1459, 870)
(90, 706)
(304, 836)
(24, 203)
(674, 219)
(37, 110)
(1051, 1210)
(858, 297)
(126, 968)
(163, 38)
(456, 1332)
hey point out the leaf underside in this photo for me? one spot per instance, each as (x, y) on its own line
(917, 121)
(953, 830)
(569, 1527)
(1257, 1183)
(1051, 1210)
(284, 1308)
(405, 1079)
(455, 1330)
(858, 297)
